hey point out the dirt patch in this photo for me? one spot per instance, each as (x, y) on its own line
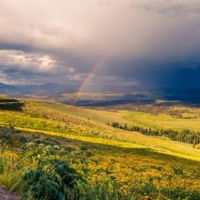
(7, 195)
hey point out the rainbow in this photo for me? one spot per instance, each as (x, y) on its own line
(94, 69)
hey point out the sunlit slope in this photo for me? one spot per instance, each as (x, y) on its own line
(55, 119)
(162, 121)
(189, 119)
(137, 171)
(95, 115)
(131, 163)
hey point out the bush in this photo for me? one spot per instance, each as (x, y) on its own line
(53, 180)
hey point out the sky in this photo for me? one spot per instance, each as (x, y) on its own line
(134, 43)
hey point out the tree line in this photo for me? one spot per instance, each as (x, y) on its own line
(186, 135)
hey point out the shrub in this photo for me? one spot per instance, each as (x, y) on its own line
(53, 180)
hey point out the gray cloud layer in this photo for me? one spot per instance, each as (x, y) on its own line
(145, 43)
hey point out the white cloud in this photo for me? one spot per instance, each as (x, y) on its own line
(47, 63)
(11, 59)
(71, 69)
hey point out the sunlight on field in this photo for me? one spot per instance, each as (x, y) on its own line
(143, 142)
(115, 163)
(96, 115)
(162, 121)
(122, 170)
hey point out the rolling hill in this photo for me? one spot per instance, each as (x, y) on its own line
(105, 162)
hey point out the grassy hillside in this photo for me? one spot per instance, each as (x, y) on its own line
(166, 117)
(103, 162)
(165, 121)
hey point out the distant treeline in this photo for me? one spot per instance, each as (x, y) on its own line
(186, 136)
(11, 106)
(8, 100)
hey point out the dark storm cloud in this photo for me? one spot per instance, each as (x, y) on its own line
(152, 44)
(10, 71)
(17, 46)
(150, 73)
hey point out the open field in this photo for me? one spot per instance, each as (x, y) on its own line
(96, 115)
(162, 121)
(112, 163)
(174, 117)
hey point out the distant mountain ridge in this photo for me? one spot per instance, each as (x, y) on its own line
(52, 90)
(43, 89)
(10, 89)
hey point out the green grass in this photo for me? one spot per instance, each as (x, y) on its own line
(95, 115)
(119, 170)
(162, 121)
(115, 163)
(190, 116)
(67, 120)
(164, 147)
